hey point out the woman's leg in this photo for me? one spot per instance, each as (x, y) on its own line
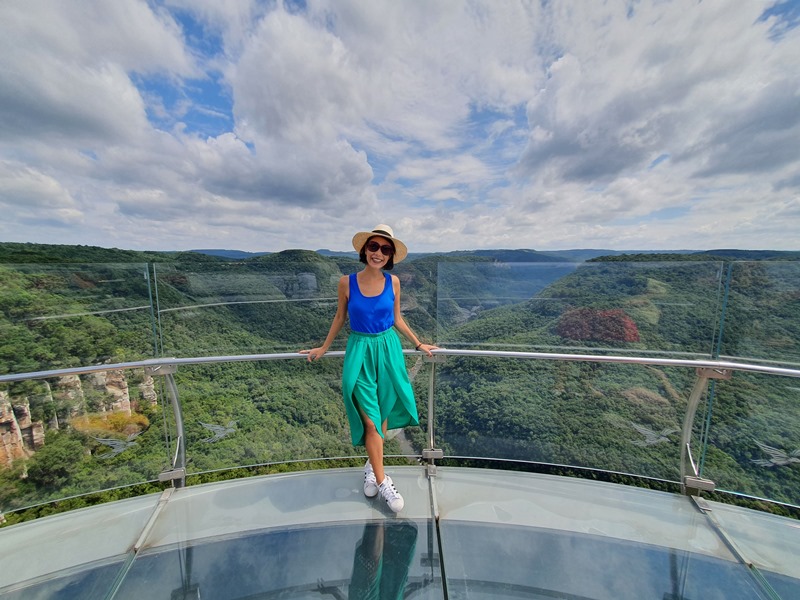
(374, 443)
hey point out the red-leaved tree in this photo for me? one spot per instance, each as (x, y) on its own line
(597, 325)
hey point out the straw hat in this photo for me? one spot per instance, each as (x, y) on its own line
(383, 230)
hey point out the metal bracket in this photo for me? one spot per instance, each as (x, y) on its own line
(161, 370)
(432, 453)
(709, 373)
(172, 475)
(697, 484)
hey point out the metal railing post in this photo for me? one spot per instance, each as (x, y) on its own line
(692, 483)
(431, 453)
(177, 472)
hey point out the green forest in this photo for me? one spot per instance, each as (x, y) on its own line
(72, 306)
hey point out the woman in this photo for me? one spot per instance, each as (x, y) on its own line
(375, 386)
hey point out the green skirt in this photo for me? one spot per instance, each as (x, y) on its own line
(374, 377)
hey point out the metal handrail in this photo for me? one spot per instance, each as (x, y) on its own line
(599, 358)
(691, 482)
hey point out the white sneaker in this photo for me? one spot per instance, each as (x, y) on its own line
(391, 495)
(370, 483)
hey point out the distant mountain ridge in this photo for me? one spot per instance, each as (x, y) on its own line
(520, 255)
(498, 254)
(233, 254)
(24, 253)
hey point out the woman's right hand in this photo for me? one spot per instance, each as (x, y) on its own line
(314, 353)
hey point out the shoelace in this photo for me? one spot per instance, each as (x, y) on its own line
(389, 491)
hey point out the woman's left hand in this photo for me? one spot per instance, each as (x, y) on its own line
(426, 348)
(314, 353)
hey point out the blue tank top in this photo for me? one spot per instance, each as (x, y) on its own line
(371, 314)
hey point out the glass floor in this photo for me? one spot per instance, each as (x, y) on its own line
(466, 533)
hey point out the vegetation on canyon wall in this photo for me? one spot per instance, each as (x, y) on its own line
(76, 306)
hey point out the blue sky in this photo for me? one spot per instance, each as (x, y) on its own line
(262, 126)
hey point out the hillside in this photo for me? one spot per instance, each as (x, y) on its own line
(70, 306)
(18, 253)
(705, 255)
(229, 254)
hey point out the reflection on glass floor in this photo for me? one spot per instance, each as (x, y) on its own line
(314, 535)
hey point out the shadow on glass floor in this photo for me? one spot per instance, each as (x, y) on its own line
(500, 535)
(376, 560)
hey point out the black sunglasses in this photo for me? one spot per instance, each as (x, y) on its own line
(385, 249)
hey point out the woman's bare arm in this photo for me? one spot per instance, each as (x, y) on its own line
(338, 321)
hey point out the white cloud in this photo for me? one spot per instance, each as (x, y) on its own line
(464, 124)
(66, 71)
(35, 198)
(22, 185)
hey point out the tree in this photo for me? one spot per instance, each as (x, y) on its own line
(597, 325)
(56, 462)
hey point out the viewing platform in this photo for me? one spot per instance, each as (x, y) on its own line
(464, 533)
(546, 465)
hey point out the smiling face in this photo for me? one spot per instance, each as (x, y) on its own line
(372, 254)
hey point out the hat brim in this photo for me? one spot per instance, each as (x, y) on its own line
(361, 238)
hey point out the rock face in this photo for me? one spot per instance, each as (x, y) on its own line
(105, 391)
(115, 386)
(19, 435)
(148, 390)
(67, 391)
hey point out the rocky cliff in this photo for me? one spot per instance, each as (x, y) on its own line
(62, 399)
(19, 436)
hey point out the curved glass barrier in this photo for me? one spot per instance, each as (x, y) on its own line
(78, 434)
(242, 414)
(667, 308)
(59, 316)
(761, 312)
(73, 434)
(246, 411)
(614, 417)
(243, 308)
(246, 414)
(754, 437)
(210, 309)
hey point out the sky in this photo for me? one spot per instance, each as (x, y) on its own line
(268, 125)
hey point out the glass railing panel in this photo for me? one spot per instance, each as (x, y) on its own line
(614, 417)
(218, 309)
(243, 414)
(754, 437)
(621, 307)
(274, 304)
(762, 312)
(78, 434)
(246, 414)
(418, 298)
(59, 316)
